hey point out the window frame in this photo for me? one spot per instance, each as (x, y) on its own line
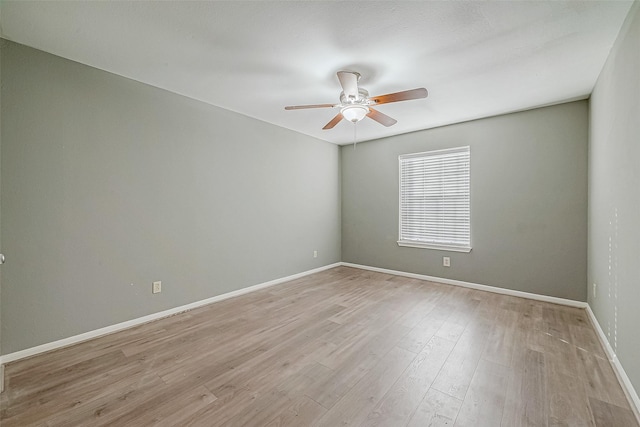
(437, 245)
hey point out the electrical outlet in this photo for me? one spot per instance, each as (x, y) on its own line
(446, 261)
(157, 287)
(595, 290)
(315, 254)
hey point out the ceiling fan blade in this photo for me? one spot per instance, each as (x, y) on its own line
(400, 96)
(381, 118)
(333, 122)
(349, 83)
(301, 107)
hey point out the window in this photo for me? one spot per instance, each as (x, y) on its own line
(434, 200)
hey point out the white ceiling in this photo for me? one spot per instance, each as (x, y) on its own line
(476, 58)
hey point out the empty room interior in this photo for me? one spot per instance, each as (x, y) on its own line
(320, 213)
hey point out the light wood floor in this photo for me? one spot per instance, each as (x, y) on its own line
(341, 347)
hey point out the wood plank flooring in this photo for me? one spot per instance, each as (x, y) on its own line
(341, 347)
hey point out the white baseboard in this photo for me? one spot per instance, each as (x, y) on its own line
(528, 295)
(11, 357)
(623, 379)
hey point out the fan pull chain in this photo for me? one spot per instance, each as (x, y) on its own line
(354, 134)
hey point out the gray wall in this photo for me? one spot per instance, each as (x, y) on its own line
(1, 44)
(614, 197)
(109, 184)
(528, 202)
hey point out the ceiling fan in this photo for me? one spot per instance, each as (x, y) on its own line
(355, 102)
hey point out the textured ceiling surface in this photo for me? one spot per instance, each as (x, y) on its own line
(476, 58)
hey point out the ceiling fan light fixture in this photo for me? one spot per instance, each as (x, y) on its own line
(354, 113)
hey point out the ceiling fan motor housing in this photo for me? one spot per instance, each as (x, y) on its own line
(363, 98)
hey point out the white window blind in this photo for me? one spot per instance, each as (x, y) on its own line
(434, 200)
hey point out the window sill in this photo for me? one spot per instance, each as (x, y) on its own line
(465, 249)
